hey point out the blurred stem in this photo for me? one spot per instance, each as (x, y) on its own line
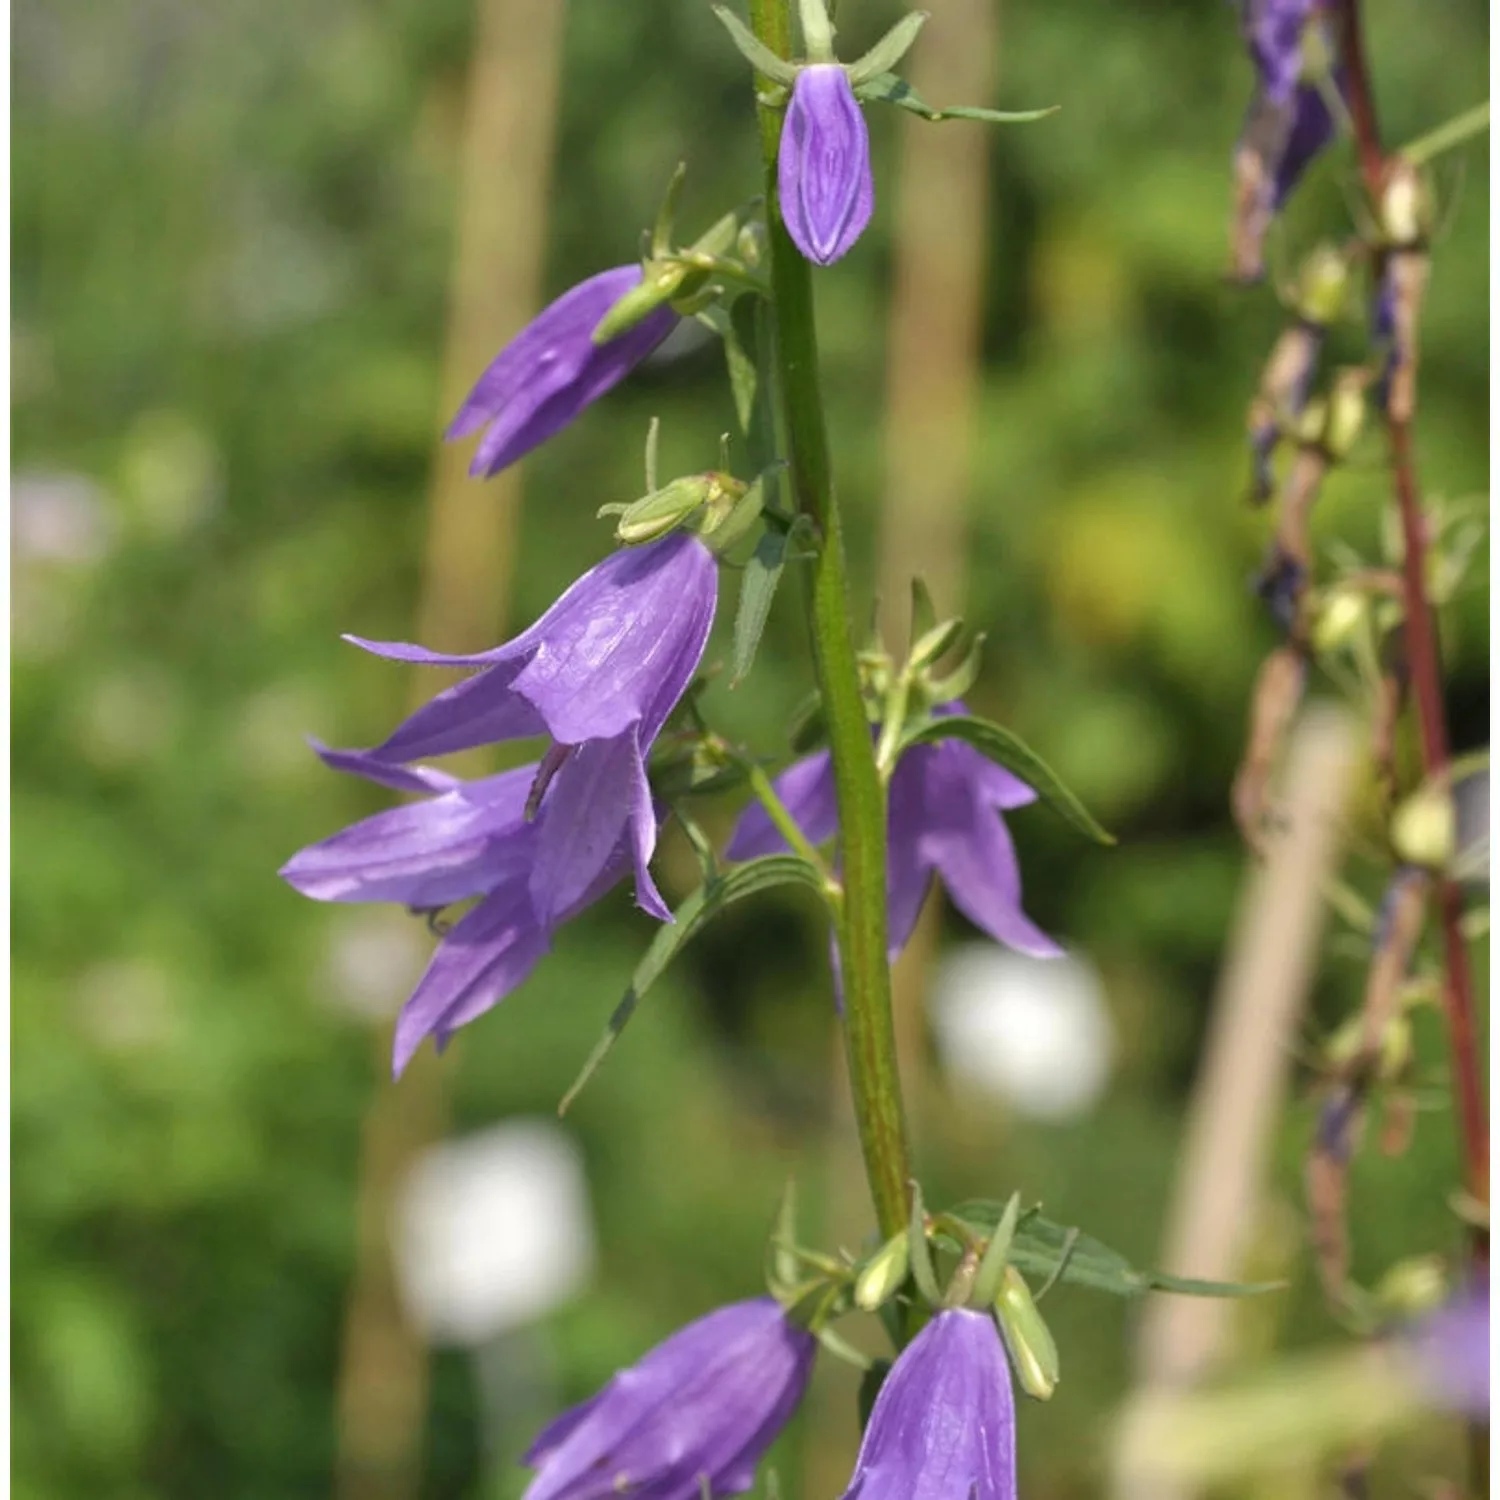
(869, 1034)
(1427, 687)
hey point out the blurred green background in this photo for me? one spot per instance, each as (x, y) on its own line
(232, 231)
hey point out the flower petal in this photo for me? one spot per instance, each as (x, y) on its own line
(552, 369)
(424, 855)
(486, 955)
(589, 812)
(480, 710)
(943, 1425)
(620, 647)
(823, 166)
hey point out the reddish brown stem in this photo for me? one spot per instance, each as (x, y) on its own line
(1426, 676)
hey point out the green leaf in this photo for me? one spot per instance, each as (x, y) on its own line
(1012, 752)
(887, 88)
(889, 50)
(1042, 1248)
(691, 917)
(754, 51)
(757, 589)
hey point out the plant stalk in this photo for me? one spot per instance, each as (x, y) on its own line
(869, 1034)
(1427, 688)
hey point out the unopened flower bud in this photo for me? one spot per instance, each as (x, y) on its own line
(1341, 614)
(663, 510)
(1406, 207)
(936, 643)
(883, 1273)
(1028, 1340)
(1346, 414)
(1412, 1287)
(1312, 422)
(1423, 828)
(1322, 285)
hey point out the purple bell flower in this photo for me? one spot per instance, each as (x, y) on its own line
(823, 170)
(944, 1424)
(469, 838)
(599, 672)
(942, 817)
(694, 1416)
(551, 370)
(1452, 1354)
(1287, 125)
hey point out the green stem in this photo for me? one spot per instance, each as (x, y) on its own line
(786, 824)
(1455, 132)
(869, 1034)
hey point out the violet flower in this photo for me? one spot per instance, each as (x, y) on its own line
(1287, 125)
(470, 838)
(823, 170)
(693, 1417)
(599, 672)
(552, 369)
(943, 818)
(944, 1424)
(1452, 1353)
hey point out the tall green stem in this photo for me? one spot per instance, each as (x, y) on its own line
(869, 1035)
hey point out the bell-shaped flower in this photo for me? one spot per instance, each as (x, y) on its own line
(943, 818)
(599, 673)
(467, 839)
(693, 1418)
(944, 1424)
(1288, 123)
(823, 169)
(552, 369)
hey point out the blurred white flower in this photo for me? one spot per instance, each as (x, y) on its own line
(1034, 1033)
(493, 1231)
(374, 957)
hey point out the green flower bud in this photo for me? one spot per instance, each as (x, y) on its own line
(1413, 1287)
(730, 509)
(1406, 207)
(1423, 828)
(1312, 422)
(1342, 613)
(1346, 414)
(883, 1273)
(663, 510)
(936, 643)
(1322, 285)
(1028, 1340)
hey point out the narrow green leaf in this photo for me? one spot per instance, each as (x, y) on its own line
(889, 50)
(887, 88)
(755, 52)
(1042, 1248)
(757, 589)
(1012, 752)
(691, 917)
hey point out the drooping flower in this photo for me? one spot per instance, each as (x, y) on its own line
(1452, 1354)
(1288, 123)
(599, 672)
(552, 369)
(823, 169)
(694, 1416)
(469, 838)
(944, 1424)
(943, 818)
